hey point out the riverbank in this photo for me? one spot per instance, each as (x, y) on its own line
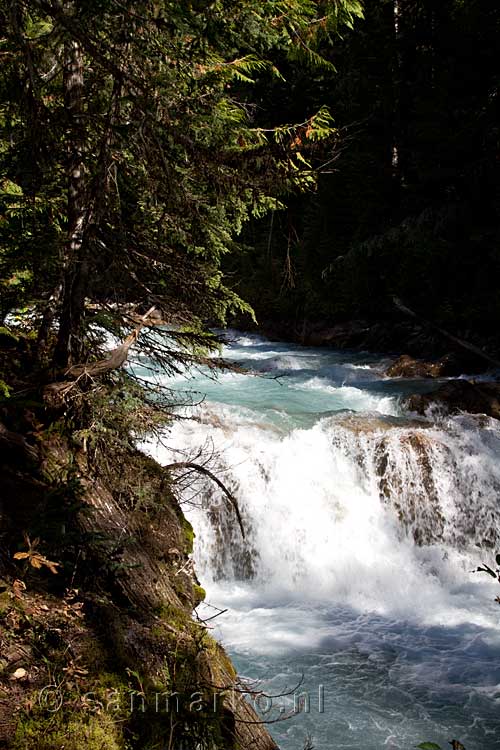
(99, 647)
(386, 336)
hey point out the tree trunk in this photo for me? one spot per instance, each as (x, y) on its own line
(400, 99)
(406, 43)
(69, 345)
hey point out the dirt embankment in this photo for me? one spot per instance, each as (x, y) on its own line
(98, 645)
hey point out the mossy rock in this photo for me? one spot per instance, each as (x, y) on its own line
(174, 616)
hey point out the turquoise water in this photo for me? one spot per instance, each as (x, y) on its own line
(392, 642)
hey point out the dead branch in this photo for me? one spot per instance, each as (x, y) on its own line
(208, 619)
(202, 470)
(117, 357)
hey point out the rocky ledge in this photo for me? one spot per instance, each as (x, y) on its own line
(457, 396)
(450, 365)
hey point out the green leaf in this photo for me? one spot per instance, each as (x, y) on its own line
(429, 746)
(4, 390)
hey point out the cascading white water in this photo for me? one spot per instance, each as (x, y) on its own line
(363, 526)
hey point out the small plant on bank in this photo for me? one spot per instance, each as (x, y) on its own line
(35, 558)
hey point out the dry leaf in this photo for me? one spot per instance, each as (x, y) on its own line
(36, 559)
(18, 587)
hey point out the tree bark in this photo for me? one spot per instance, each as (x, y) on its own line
(68, 348)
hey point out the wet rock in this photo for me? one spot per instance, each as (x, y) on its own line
(378, 336)
(412, 494)
(458, 396)
(369, 424)
(422, 475)
(231, 552)
(448, 366)
(399, 456)
(408, 367)
(442, 356)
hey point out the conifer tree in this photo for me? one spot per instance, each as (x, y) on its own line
(131, 156)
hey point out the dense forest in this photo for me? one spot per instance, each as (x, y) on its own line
(169, 169)
(407, 201)
(390, 128)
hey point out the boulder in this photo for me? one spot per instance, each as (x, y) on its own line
(450, 365)
(457, 396)
(408, 367)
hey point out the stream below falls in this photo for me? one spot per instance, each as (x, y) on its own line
(353, 590)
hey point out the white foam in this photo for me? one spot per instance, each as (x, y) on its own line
(353, 398)
(318, 527)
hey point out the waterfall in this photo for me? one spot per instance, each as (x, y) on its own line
(363, 526)
(363, 510)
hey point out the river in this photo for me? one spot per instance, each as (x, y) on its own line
(353, 590)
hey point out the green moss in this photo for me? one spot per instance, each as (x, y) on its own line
(94, 732)
(220, 661)
(93, 655)
(226, 662)
(174, 616)
(188, 536)
(113, 692)
(199, 594)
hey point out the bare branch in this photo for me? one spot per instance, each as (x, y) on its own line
(203, 470)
